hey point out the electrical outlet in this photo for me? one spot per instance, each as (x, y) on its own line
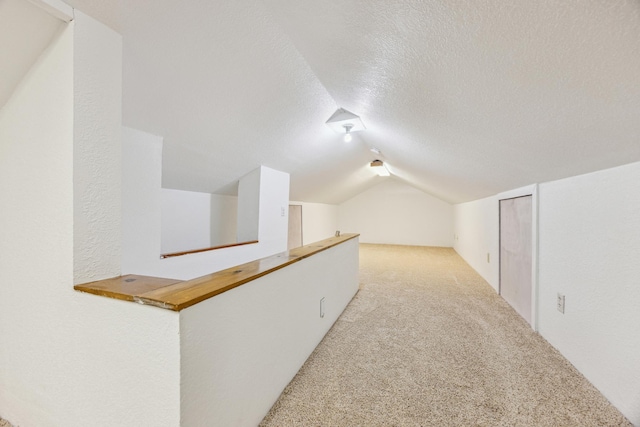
(322, 307)
(282, 211)
(488, 257)
(560, 303)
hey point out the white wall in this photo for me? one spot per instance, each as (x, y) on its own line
(274, 202)
(396, 213)
(241, 348)
(588, 247)
(186, 220)
(224, 219)
(476, 235)
(319, 221)
(249, 206)
(590, 252)
(193, 220)
(66, 358)
(36, 227)
(141, 206)
(97, 169)
(141, 201)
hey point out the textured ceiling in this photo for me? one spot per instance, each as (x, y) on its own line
(464, 99)
(25, 31)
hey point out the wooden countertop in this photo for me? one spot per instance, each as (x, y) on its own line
(176, 294)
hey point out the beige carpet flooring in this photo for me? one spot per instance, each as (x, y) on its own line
(427, 342)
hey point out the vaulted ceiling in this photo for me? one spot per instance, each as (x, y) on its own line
(25, 32)
(464, 99)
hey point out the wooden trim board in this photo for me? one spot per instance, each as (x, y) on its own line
(195, 251)
(177, 295)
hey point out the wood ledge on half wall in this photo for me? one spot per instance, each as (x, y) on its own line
(178, 294)
(212, 248)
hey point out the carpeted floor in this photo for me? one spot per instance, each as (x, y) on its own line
(4, 423)
(427, 342)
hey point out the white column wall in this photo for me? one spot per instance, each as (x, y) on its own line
(274, 202)
(241, 348)
(67, 358)
(249, 206)
(141, 201)
(396, 213)
(97, 169)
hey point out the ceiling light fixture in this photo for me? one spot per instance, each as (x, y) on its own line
(347, 133)
(345, 122)
(374, 150)
(379, 168)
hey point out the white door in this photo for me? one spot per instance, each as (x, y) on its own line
(515, 254)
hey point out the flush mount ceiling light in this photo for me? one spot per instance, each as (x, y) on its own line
(347, 133)
(379, 168)
(344, 122)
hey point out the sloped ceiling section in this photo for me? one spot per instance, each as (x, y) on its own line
(464, 99)
(25, 31)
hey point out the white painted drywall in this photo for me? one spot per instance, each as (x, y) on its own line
(588, 231)
(319, 221)
(67, 358)
(476, 235)
(36, 229)
(97, 168)
(186, 220)
(224, 219)
(241, 348)
(274, 202)
(590, 252)
(141, 201)
(249, 206)
(194, 220)
(141, 222)
(396, 213)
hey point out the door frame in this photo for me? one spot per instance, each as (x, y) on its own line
(530, 190)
